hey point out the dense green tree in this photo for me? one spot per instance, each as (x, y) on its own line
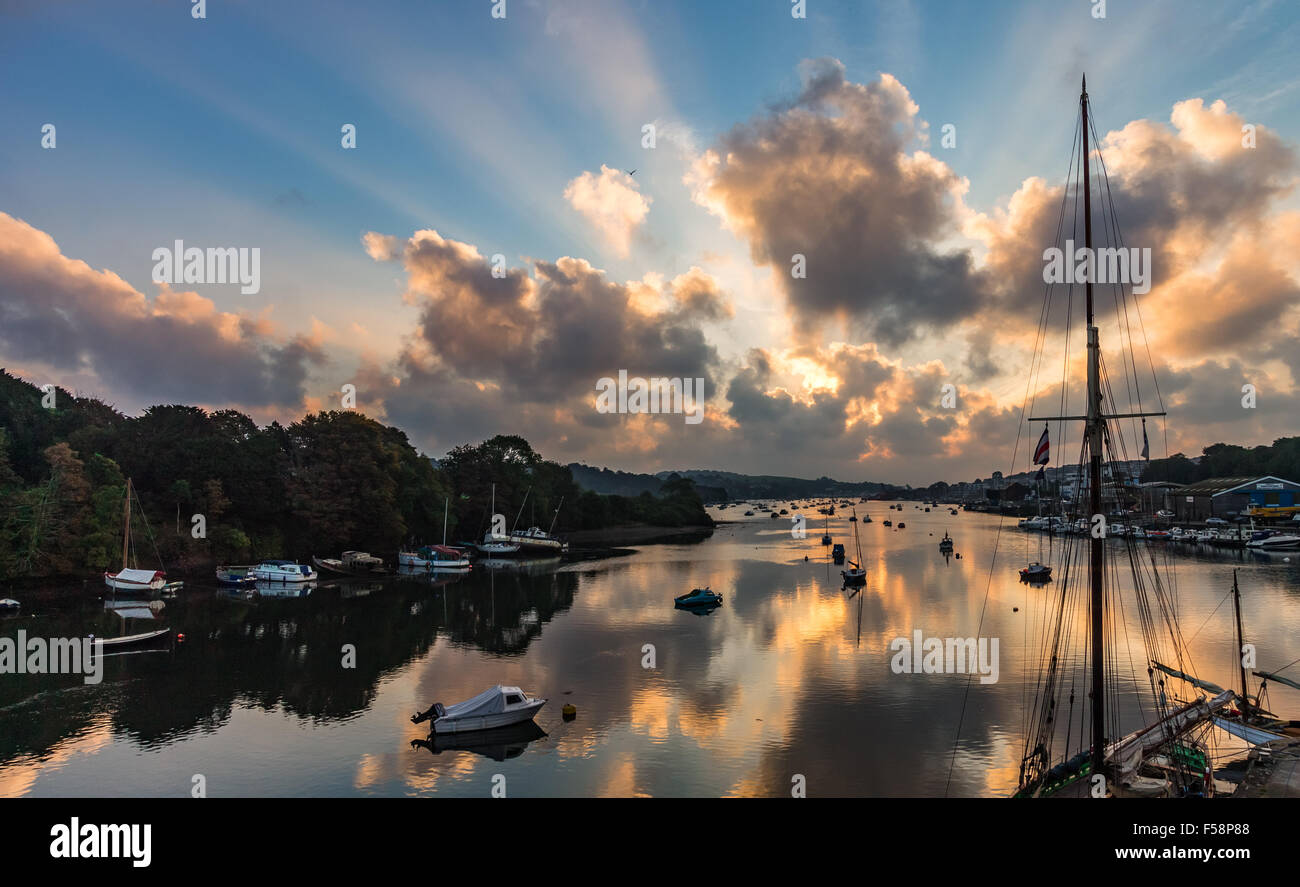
(331, 481)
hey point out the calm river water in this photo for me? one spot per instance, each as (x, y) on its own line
(790, 676)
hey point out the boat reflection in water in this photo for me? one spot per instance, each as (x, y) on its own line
(283, 590)
(129, 612)
(531, 566)
(498, 744)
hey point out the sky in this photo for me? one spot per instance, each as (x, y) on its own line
(525, 137)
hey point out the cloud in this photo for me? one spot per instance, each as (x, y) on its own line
(381, 247)
(62, 314)
(612, 202)
(1189, 191)
(837, 176)
(525, 350)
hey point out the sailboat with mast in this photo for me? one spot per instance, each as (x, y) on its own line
(856, 575)
(436, 557)
(1249, 719)
(1077, 743)
(132, 579)
(496, 544)
(533, 541)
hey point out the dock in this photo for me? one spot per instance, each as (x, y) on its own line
(1273, 771)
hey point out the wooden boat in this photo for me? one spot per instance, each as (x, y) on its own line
(131, 580)
(353, 563)
(497, 707)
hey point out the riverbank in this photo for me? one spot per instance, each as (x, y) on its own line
(636, 534)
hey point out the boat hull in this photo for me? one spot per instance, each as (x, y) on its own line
(132, 639)
(337, 567)
(263, 574)
(117, 584)
(489, 722)
(698, 600)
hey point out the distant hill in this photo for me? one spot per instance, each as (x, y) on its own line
(719, 486)
(614, 483)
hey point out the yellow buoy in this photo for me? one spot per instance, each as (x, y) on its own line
(569, 711)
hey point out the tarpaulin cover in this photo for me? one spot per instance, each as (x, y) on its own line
(489, 702)
(143, 577)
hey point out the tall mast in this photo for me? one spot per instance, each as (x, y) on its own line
(126, 523)
(445, 503)
(521, 510)
(556, 517)
(1097, 570)
(1094, 433)
(1236, 606)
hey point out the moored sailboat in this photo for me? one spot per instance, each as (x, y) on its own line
(129, 579)
(856, 575)
(1168, 754)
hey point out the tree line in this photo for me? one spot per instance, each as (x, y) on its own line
(332, 480)
(1281, 459)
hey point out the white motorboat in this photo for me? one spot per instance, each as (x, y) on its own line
(499, 706)
(1275, 542)
(282, 571)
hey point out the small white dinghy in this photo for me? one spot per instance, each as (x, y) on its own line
(136, 580)
(498, 707)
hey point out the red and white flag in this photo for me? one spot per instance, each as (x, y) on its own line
(1040, 452)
